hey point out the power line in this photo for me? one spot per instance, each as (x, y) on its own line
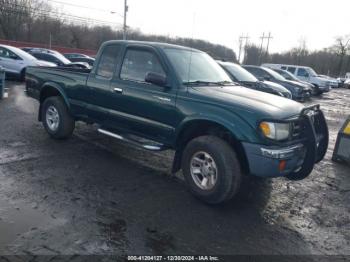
(86, 7)
(57, 15)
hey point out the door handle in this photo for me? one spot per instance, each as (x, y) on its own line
(118, 90)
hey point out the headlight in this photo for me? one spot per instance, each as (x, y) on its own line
(276, 131)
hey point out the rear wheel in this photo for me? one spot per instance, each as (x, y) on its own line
(211, 169)
(58, 122)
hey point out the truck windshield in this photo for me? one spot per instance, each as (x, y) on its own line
(194, 67)
(239, 72)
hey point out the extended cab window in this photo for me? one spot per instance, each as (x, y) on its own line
(108, 60)
(138, 63)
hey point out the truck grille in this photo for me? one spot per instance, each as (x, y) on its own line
(297, 130)
(299, 125)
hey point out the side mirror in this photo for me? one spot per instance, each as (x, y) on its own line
(156, 79)
(261, 79)
(306, 75)
(267, 78)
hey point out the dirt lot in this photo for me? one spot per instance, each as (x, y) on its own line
(94, 195)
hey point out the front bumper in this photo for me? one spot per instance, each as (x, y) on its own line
(265, 161)
(295, 160)
(324, 89)
(302, 95)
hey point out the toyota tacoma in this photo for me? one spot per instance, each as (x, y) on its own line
(160, 96)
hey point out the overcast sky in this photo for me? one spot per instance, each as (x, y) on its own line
(223, 21)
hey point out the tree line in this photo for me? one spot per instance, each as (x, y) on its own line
(36, 21)
(333, 61)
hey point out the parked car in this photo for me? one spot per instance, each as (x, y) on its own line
(304, 73)
(15, 61)
(299, 91)
(38, 49)
(333, 81)
(74, 57)
(347, 83)
(243, 77)
(160, 96)
(341, 81)
(57, 58)
(289, 76)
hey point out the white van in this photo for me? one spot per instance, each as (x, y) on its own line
(306, 74)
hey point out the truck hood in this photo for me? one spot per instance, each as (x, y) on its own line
(257, 104)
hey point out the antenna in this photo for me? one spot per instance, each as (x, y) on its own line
(191, 46)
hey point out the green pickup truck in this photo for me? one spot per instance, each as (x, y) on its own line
(159, 96)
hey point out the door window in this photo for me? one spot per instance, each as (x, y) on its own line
(138, 63)
(257, 72)
(108, 60)
(292, 69)
(5, 53)
(302, 72)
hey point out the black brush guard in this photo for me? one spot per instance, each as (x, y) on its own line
(316, 137)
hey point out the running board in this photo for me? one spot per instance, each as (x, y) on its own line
(151, 147)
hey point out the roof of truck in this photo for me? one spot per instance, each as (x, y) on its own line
(153, 44)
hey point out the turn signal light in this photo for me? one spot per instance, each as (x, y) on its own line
(265, 128)
(282, 165)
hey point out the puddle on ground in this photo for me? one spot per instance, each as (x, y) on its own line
(17, 218)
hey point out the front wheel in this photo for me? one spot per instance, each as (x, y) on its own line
(211, 169)
(57, 120)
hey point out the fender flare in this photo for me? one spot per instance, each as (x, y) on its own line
(238, 127)
(58, 89)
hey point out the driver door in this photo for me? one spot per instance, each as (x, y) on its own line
(148, 109)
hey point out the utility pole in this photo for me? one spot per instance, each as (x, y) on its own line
(241, 38)
(125, 11)
(263, 37)
(50, 41)
(268, 43)
(240, 48)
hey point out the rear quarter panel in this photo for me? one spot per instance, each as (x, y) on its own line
(70, 83)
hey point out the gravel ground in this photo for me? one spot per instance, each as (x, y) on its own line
(93, 195)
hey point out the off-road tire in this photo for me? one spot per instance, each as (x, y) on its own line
(66, 123)
(229, 173)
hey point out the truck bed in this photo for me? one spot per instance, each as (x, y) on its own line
(64, 77)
